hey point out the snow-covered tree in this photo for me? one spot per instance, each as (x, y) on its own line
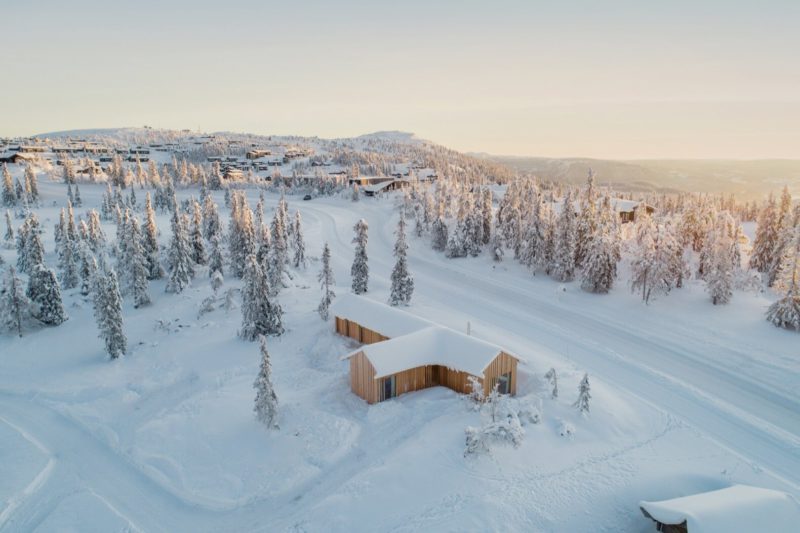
(657, 266)
(31, 186)
(601, 253)
(766, 237)
(260, 315)
(402, 281)
(215, 261)
(784, 231)
(266, 404)
(8, 236)
(88, 268)
(196, 236)
(327, 282)
(785, 313)
(181, 266)
(15, 308)
(45, 295)
(582, 403)
(719, 271)
(298, 241)
(563, 268)
(150, 242)
(9, 193)
(137, 265)
(108, 313)
(439, 236)
(211, 221)
(360, 269)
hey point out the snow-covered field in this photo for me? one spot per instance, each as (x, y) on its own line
(686, 397)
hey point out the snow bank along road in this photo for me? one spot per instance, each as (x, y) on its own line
(682, 371)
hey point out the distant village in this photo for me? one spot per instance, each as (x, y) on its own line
(236, 160)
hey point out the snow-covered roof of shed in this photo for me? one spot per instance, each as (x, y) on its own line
(388, 321)
(736, 508)
(435, 345)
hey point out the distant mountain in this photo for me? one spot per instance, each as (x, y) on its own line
(746, 179)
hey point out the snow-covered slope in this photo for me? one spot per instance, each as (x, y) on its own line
(686, 397)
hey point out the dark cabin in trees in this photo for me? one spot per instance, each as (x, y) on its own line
(404, 353)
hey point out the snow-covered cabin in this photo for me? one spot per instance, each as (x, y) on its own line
(736, 508)
(404, 353)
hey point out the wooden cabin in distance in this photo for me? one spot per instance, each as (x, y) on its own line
(404, 353)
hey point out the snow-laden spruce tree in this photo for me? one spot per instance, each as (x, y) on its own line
(242, 233)
(77, 202)
(150, 242)
(9, 193)
(260, 315)
(299, 243)
(766, 237)
(360, 269)
(97, 237)
(8, 236)
(88, 268)
(326, 282)
(212, 224)
(486, 215)
(30, 250)
(534, 235)
(266, 404)
(785, 313)
(137, 265)
(582, 403)
(402, 281)
(15, 308)
(456, 241)
(45, 296)
(31, 186)
(181, 266)
(657, 266)
(196, 236)
(784, 230)
(279, 249)
(215, 260)
(439, 236)
(585, 227)
(108, 313)
(601, 253)
(564, 255)
(719, 268)
(68, 262)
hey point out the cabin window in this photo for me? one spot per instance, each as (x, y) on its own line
(389, 388)
(503, 383)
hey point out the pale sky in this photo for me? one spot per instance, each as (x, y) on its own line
(593, 78)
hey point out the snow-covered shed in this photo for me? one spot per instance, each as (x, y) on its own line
(736, 508)
(405, 353)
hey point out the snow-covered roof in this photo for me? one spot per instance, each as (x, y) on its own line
(736, 508)
(434, 345)
(381, 318)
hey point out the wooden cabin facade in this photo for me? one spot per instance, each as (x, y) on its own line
(365, 384)
(412, 354)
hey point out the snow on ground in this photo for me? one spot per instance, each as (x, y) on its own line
(686, 397)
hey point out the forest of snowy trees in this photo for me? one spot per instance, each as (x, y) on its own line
(576, 235)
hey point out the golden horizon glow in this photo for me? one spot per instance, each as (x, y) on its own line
(617, 80)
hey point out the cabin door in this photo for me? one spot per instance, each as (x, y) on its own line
(389, 390)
